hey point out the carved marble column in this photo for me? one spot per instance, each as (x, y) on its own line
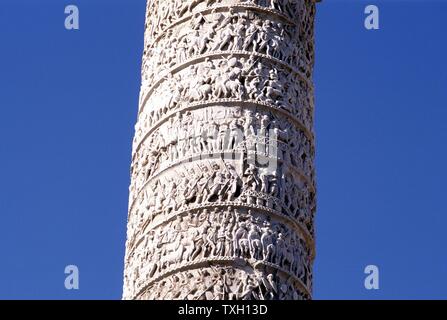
(222, 196)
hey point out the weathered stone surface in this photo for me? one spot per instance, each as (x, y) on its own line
(222, 196)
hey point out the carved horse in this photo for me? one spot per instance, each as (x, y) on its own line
(200, 92)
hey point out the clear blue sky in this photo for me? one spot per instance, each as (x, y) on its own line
(68, 105)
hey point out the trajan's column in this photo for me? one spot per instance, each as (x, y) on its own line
(222, 196)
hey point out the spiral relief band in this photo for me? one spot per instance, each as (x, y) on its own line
(223, 194)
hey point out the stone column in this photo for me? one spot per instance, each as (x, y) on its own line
(222, 196)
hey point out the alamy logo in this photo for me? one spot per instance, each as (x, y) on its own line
(372, 18)
(258, 149)
(372, 279)
(72, 19)
(72, 278)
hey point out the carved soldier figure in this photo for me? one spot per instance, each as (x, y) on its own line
(240, 234)
(201, 239)
(268, 248)
(248, 289)
(250, 36)
(217, 184)
(280, 249)
(210, 241)
(249, 125)
(251, 180)
(255, 242)
(235, 135)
